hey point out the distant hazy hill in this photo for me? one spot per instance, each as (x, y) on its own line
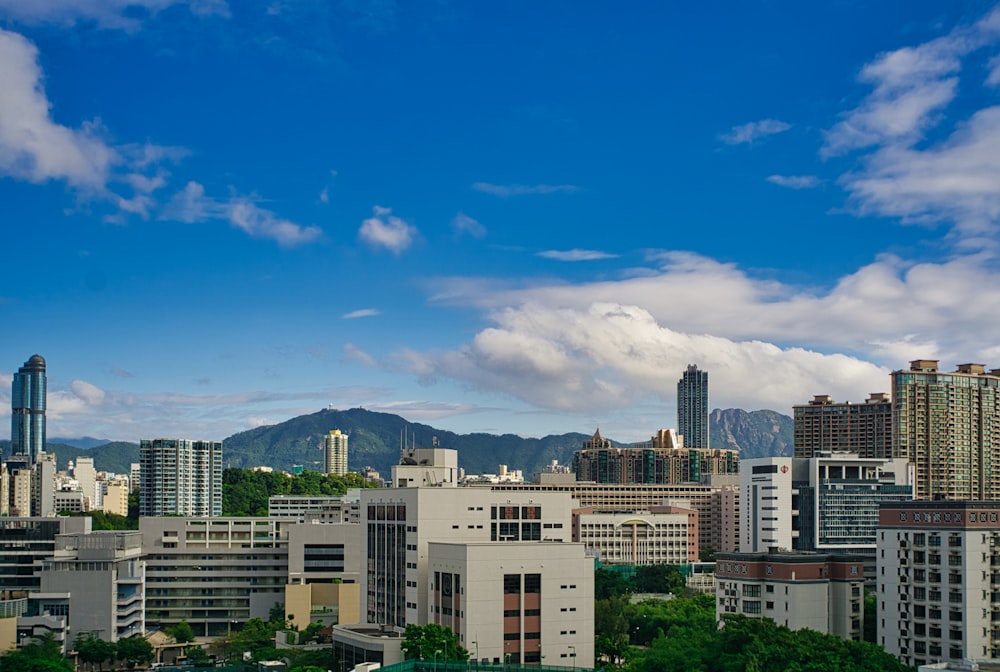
(85, 442)
(753, 433)
(376, 437)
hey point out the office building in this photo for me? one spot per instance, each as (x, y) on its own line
(24, 543)
(692, 407)
(948, 426)
(521, 603)
(798, 590)
(659, 535)
(213, 572)
(115, 500)
(826, 503)
(101, 579)
(180, 477)
(823, 427)
(717, 503)
(939, 580)
(27, 421)
(316, 508)
(335, 453)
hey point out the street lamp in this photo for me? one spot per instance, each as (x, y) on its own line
(573, 655)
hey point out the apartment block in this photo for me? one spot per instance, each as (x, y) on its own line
(799, 590)
(948, 426)
(823, 426)
(660, 535)
(939, 580)
(180, 477)
(659, 461)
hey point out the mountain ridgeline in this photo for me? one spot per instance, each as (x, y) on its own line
(375, 440)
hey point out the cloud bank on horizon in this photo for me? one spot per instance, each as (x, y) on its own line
(490, 327)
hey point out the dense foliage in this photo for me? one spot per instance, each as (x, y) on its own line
(41, 655)
(682, 635)
(245, 492)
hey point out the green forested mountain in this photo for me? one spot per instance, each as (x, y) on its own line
(375, 440)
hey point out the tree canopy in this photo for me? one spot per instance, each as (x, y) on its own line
(245, 492)
(432, 641)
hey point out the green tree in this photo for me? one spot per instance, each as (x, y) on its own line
(321, 658)
(43, 654)
(93, 650)
(423, 641)
(182, 632)
(658, 579)
(871, 619)
(197, 656)
(135, 650)
(609, 583)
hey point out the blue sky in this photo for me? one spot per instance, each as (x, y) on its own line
(505, 217)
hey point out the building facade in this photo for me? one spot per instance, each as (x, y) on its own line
(520, 603)
(24, 543)
(661, 535)
(335, 453)
(653, 463)
(939, 580)
(948, 426)
(823, 427)
(27, 405)
(213, 572)
(798, 590)
(180, 477)
(692, 407)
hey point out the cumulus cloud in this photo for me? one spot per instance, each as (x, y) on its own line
(110, 14)
(576, 255)
(462, 223)
(386, 230)
(191, 204)
(953, 177)
(768, 344)
(364, 312)
(747, 134)
(795, 181)
(507, 190)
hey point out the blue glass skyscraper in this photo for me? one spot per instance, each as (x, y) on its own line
(27, 421)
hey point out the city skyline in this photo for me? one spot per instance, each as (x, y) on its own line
(489, 218)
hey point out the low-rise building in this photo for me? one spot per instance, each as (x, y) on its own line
(658, 535)
(795, 589)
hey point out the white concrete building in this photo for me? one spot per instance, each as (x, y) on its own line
(766, 494)
(939, 580)
(522, 603)
(335, 453)
(798, 590)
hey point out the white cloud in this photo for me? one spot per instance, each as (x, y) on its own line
(324, 196)
(424, 411)
(753, 131)
(353, 353)
(795, 181)
(364, 312)
(506, 190)
(246, 215)
(462, 223)
(386, 230)
(993, 79)
(576, 255)
(191, 204)
(902, 175)
(32, 146)
(111, 14)
(556, 345)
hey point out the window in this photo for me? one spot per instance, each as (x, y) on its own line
(533, 583)
(511, 583)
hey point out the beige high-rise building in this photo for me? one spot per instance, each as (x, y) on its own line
(335, 452)
(116, 498)
(948, 426)
(824, 426)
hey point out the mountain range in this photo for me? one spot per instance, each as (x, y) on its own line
(376, 440)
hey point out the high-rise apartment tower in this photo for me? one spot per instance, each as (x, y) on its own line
(692, 407)
(180, 477)
(824, 426)
(948, 426)
(335, 453)
(27, 420)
